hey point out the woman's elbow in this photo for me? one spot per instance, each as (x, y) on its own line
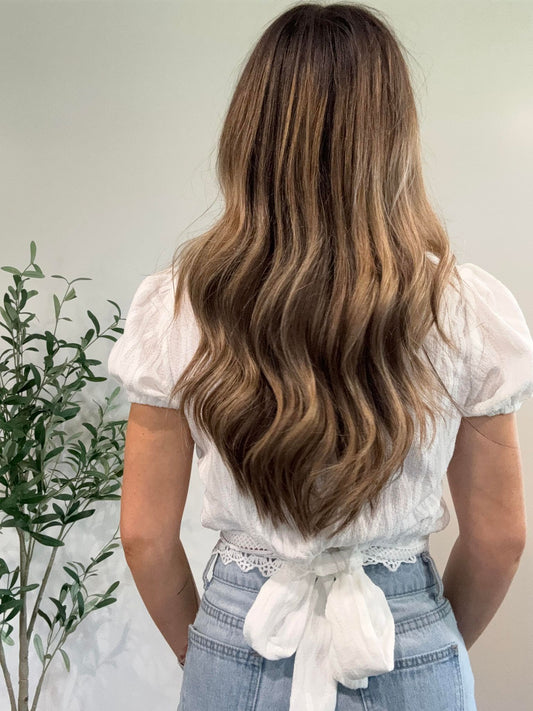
(504, 545)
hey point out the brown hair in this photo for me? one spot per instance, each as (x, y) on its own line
(313, 292)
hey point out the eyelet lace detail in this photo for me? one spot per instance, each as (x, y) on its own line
(239, 547)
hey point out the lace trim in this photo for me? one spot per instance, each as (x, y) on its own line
(240, 548)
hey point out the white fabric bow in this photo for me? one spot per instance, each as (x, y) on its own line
(333, 616)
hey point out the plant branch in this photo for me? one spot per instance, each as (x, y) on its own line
(7, 677)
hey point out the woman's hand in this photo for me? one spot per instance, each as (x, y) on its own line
(181, 657)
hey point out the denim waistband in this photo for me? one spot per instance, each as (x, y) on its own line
(408, 578)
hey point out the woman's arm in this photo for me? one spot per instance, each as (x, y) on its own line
(485, 478)
(157, 467)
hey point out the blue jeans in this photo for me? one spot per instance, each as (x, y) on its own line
(432, 669)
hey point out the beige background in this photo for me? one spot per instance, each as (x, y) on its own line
(109, 117)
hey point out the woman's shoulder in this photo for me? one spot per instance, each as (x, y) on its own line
(155, 296)
(495, 343)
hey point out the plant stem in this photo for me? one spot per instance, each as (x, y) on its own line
(40, 684)
(41, 591)
(23, 637)
(7, 677)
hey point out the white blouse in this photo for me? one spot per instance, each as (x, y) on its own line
(492, 374)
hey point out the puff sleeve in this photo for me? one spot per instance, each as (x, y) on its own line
(498, 348)
(140, 359)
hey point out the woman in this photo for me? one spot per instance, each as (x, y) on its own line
(308, 345)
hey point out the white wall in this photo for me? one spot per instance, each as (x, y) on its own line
(109, 118)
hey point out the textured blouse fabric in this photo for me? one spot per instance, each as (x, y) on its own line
(492, 373)
(314, 588)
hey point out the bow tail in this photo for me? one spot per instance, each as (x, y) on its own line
(362, 628)
(275, 622)
(313, 685)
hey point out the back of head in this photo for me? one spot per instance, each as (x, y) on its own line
(313, 291)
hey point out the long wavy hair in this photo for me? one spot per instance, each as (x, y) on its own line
(313, 292)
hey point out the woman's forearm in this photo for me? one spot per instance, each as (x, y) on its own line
(476, 580)
(166, 585)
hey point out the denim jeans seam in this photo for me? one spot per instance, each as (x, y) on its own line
(221, 615)
(460, 686)
(366, 698)
(205, 573)
(425, 619)
(402, 626)
(223, 649)
(449, 651)
(253, 688)
(239, 586)
(410, 592)
(248, 588)
(428, 558)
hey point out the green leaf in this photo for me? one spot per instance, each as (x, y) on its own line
(107, 601)
(79, 515)
(46, 540)
(14, 612)
(33, 251)
(72, 573)
(61, 609)
(31, 586)
(71, 294)
(94, 320)
(52, 453)
(49, 337)
(11, 270)
(73, 507)
(11, 603)
(57, 306)
(32, 498)
(112, 587)
(36, 273)
(44, 518)
(69, 412)
(45, 617)
(6, 638)
(70, 623)
(80, 603)
(39, 646)
(65, 659)
(91, 428)
(40, 432)
(10, 310)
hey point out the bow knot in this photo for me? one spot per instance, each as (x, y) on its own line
(333, 616)
(331, 562)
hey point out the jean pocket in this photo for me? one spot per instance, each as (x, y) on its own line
(218, 675)
(429, 681)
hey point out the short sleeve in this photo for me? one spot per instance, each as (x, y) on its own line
(140, 359)
(498, 348)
